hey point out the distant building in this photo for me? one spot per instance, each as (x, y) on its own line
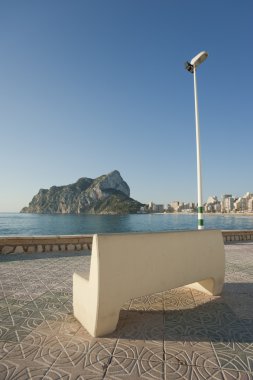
(212, 204)
(212, 199)
(175, 205)
(248, 196)
(181, 207)
(152, 207)
(209, 207)
(192, 206)
(187, 207)
(250, 205)
(160, 208)
(143, 210)
(227, 203)
(217, 207)
(241, 204)
(168, 208)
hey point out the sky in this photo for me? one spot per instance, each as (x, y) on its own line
(90, 86)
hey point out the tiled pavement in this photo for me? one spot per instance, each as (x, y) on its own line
(178, 334)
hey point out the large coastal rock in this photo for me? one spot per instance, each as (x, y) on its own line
(107, 194)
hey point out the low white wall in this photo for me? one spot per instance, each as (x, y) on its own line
(52, 243)
(30, 244)
(233, 236)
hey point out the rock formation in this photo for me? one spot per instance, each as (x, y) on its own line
(107, 194)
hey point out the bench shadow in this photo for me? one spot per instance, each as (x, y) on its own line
(219, 320)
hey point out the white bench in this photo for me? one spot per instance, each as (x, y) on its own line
(126, 266)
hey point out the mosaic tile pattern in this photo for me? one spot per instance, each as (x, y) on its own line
(177, 334)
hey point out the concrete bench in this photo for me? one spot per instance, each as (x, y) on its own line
(126, 266)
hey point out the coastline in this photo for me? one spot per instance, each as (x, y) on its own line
(205, 213)
(230, 213)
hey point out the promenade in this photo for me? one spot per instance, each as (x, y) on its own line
(177, 334)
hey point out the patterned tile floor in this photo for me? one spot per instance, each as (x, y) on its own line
(178, 334)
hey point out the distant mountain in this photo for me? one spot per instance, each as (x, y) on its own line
(107, 194)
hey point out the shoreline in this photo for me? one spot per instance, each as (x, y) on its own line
(204, 213)
(140, 213)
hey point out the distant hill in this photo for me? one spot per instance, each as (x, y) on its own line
(107, 194)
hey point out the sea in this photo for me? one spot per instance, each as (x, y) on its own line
(15, 224)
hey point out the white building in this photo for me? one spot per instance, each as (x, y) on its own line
(168, 207)
(175, 205)
(250, 205)
(212, 199)
(227, 203)
(155, 208)
(248, 196)
(241, 204)
(160, 208)
(213, 204)
(217, 207)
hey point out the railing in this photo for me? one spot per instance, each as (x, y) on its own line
(236, 236)
(72, 243)
(30, 244)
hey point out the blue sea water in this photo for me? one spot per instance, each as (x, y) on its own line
(39, 224)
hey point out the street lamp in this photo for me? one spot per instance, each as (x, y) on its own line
(191, 67)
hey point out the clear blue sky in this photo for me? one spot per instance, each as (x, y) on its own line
(87, 87)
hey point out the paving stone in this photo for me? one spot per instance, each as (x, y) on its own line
(177, 334)
(125, 368)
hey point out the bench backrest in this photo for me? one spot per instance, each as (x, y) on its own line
(138, 264)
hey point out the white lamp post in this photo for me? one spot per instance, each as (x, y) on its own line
(191, 67)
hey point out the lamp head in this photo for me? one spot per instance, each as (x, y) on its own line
(199, 58)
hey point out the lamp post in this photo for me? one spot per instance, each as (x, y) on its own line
(191, 67)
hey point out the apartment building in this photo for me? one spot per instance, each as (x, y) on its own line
(227, 203)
